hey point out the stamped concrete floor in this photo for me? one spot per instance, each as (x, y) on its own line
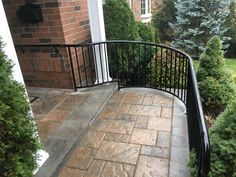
(139, 133)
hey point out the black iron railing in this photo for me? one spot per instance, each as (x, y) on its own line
(140, 64)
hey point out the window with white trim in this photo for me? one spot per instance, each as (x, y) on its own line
(146, 11)
(145, 7)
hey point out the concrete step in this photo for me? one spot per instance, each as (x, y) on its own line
(69, 133)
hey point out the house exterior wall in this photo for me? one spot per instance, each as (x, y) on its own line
(136, 8)
(64, 22)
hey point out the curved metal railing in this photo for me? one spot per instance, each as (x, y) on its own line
(139, 64)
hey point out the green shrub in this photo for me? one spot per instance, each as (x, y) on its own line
(215, 83)
(161, 19)
(18, 141)
(119, 21)
(146, 32)
(223, 144)
(120, 24)
(169, 71)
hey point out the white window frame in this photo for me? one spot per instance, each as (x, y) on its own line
(130, 3)
(146, 17)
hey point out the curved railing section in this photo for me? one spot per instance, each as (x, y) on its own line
(138, 64)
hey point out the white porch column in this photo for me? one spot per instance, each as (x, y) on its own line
(98, 35)
(10, 51)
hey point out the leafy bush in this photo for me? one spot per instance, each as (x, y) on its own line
(18, 141)
(215, 83)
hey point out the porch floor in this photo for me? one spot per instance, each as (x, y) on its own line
(138, 133)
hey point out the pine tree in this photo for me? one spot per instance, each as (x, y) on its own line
(197, 21)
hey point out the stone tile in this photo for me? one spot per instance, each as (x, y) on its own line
(163, 139)
(95, 169)
(47, 128)
(178, 170)
(118, 152)
(180, 141)
(151, 167)
(128, 117)
(56, 116)
(81, 158)
(145, 110)
(141, 122)
(49, 103)
(180, 131)
(144, 137)
(155, 151)
(70, 172)
(92, 139)
(116, 126)
(159, 124)
(113, 169)
(134, 98)
(124, 108)
(148, 100)
(117, 98)
(162, 101)
(123, 138)
(108, 114)
(166, 112)
(68, 104)
(180, 155)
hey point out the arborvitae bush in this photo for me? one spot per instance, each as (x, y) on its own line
(223, 145)
(18, 141)
(146, 32)
(120, 24)
(119, 21)
(215, 83)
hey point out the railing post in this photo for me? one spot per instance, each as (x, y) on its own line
(72, 68)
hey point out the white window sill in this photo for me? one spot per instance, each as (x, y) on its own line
(146, 18)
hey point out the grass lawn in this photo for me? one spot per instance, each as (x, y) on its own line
(229, 64)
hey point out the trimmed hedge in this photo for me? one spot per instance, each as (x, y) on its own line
(18, 140)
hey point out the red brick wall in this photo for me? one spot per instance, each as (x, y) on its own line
(136, 8)
(65, 21)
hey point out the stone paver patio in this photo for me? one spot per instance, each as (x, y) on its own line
(139, 133)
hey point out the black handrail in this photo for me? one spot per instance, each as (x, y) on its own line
(141, 64)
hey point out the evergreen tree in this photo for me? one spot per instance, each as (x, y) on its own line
(161, 19)
(197, 21)
(231, 24)
(215, 83)
(18, 141)
(119, 21)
